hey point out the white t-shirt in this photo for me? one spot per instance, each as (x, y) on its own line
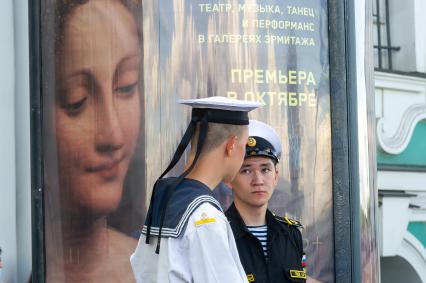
(205, 253)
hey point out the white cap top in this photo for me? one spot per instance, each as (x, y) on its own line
(221, 103)
(266, 132)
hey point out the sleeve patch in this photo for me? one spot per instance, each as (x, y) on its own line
(204, 220)
(298, 274)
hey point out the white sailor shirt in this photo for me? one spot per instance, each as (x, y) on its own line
(204, 253)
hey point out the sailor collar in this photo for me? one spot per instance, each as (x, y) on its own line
(188, 196)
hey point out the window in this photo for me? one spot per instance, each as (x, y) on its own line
(383, 49)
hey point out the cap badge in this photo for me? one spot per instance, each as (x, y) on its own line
(251, 142)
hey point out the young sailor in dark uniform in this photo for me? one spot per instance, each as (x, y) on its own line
(197, 244)
(270, 247)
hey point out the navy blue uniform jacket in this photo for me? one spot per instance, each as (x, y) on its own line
(285, 250)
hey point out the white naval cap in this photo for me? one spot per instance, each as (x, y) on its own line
(221, 103)
(218, 109)
(263, 141)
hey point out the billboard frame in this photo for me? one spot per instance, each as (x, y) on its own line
(343, 90)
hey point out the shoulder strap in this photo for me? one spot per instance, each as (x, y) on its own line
(289, 221)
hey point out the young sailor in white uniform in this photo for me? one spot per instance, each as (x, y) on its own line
(197, 244)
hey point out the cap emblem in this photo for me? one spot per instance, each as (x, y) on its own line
(251, 142)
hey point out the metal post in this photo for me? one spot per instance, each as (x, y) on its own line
(37, 223)
(340, 145)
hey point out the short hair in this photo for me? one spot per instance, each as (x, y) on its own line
(275, 162)
(217, 134)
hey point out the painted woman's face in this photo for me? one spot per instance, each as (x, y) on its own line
(97, 105)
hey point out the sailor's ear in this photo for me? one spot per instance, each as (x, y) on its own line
(231, 142)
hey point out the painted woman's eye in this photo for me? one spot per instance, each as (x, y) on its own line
(75, 91)
(73, 108)
(127, 90)
(76, 105)
(126, 82)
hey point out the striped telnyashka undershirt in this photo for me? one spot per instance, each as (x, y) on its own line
(261, 233)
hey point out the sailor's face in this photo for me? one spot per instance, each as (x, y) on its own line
(97, 105)
(255, 182)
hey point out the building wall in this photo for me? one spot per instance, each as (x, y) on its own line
(22, 139)
(401, 135)
(7, 144)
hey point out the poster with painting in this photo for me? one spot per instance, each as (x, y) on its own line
(93, 138)
(273, 52)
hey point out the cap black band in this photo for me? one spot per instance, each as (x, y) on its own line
(260, 147)
(220, 116)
